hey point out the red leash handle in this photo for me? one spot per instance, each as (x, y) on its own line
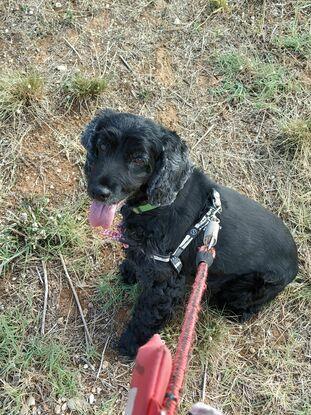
(187, 336)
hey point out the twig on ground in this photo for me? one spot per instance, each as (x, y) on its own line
(86, 330)
(18, 232)
(261, 125)
(203, 161)
(182, 99)
(73, 48)
(92, 367)
(204, 383)
(39, 275)
(202, 138)
(128, 67)
(102, 358)
(46, 294)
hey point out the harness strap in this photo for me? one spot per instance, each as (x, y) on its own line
(209, 223)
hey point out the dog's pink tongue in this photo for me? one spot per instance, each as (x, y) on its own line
(101, 214)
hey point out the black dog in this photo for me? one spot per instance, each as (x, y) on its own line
(132, 159)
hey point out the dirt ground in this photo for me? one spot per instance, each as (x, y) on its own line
(233, 79)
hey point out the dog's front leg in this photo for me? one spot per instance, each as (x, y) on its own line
(152, 310)
(128, 271)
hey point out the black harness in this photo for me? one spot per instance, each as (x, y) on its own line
(209, 223)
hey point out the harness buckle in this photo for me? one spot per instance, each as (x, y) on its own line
(176, 262)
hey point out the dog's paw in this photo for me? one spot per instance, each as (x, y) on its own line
(128, 345)
(128, 274)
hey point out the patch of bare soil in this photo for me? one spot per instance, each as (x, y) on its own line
(164, 72)
(44, 169)
(168, 116)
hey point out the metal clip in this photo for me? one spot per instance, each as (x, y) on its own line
(176, 262)
(211, 233)
(216, 199)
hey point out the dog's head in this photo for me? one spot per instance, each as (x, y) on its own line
(129, 155)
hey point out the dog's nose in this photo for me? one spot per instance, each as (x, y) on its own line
(101, 193)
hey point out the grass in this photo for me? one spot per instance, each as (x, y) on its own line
(24, 355)
(231, 63)
(112, 292)
(108, 407)
(144, 95)
(10, 151)
(71, 146)
(20, 93)
(36, 229)
(299, 43)
(296, 141)
(249, 79)
(294, 38)
(218, 5)
(80, 88)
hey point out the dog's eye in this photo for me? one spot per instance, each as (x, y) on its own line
(102, 146)
(139, 161)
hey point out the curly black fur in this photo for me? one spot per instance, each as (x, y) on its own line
(256, 255)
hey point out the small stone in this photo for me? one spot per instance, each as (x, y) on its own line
(61, 68)
(30, 12)
(252, 350)
(76, 404)
(85, 366)
(57, 409)
(23, 217)
(177, 21)
(64, 407)
(31, 401)
(91, 399)
(58, 5)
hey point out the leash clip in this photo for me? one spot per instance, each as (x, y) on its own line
(211, 233)
(211, 230)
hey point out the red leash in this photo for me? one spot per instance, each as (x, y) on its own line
(152, 374)
(186, 338)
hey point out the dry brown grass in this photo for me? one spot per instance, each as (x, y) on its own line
(239, 73)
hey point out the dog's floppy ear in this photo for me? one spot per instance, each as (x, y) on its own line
(171, 172)
(95, 125)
